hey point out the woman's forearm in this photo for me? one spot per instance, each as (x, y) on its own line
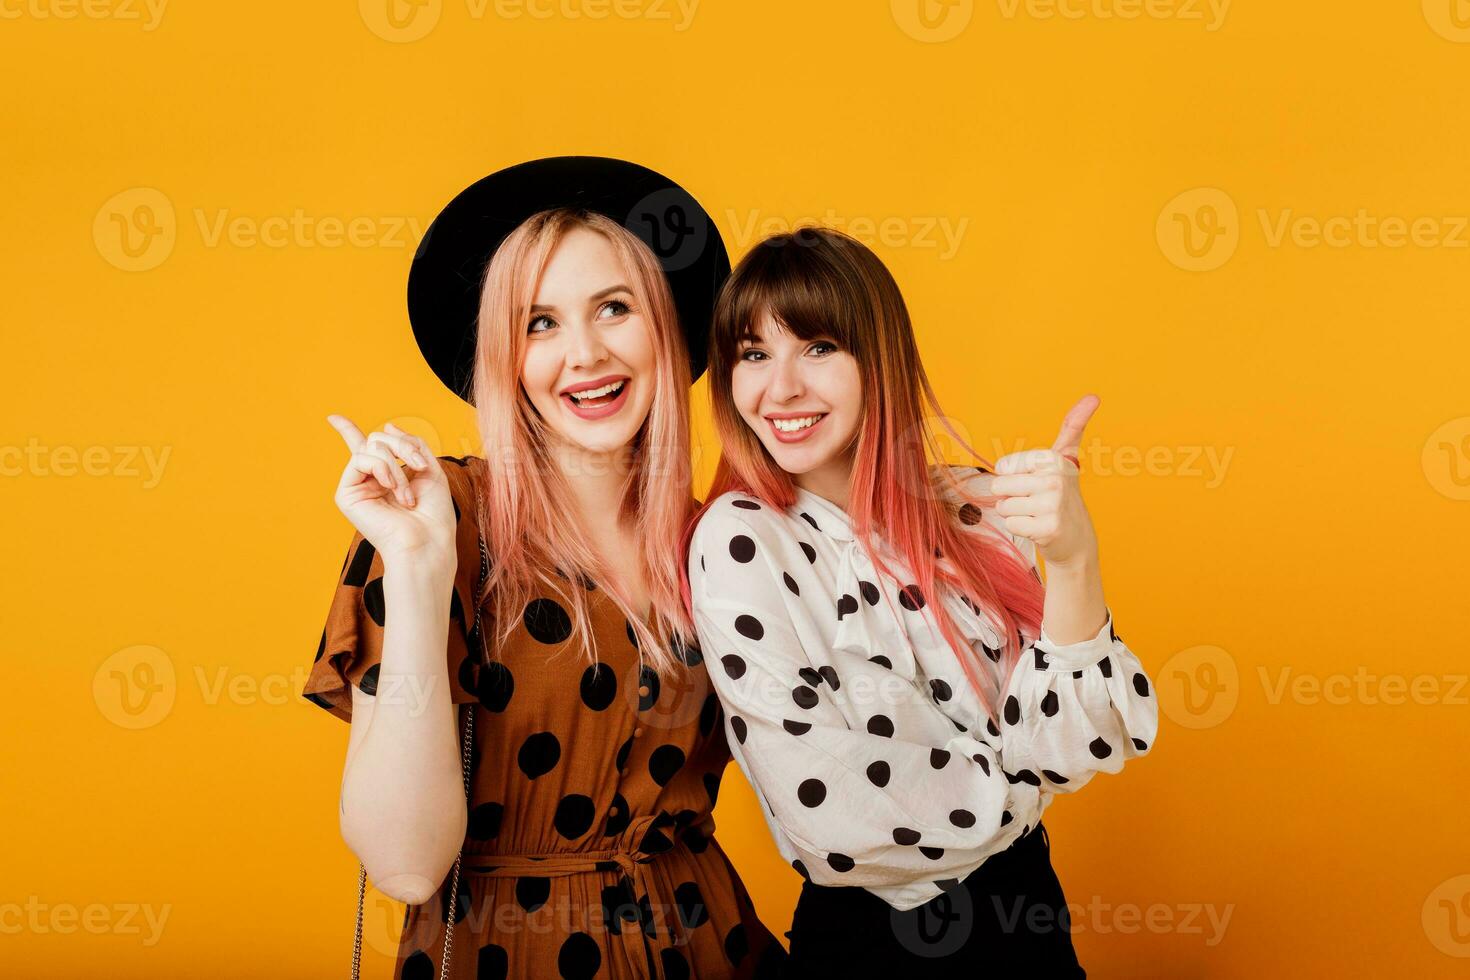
(1075, 607)
(403, 800)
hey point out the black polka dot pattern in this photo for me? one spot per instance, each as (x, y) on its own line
(599, 686)
(809, 620)
(811, 792)
(539, 754)
(580, 957)
(577, 749)
(495, 686)
(547, 621)
(664, 762)
(484, 821)
(574, 815)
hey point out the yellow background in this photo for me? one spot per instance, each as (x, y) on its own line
(1067, 155)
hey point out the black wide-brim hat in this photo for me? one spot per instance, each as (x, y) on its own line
(448, 269)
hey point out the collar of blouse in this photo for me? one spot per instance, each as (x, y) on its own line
(894, 622)
(833, 522)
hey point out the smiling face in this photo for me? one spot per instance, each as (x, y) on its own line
(589, 356)
(802, 398)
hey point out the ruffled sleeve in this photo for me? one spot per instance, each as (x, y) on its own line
(1070, 710)
(858, 799)
(1076, 709)
(350, 649)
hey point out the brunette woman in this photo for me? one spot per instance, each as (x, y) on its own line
(901, 686)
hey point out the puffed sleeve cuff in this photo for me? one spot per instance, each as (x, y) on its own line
(1053, 656)
(349, 652)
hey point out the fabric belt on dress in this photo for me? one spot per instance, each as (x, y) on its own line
(561, 864)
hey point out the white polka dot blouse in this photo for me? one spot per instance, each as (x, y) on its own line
(873, 757)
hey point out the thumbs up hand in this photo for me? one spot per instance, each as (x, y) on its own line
(1041, 498)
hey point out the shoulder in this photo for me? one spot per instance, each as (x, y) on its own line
(463, 474)
(734, 513)
(735, 529)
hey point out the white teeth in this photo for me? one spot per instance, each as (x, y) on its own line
(598, 392)
(796, 425)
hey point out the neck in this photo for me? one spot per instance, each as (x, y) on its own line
(832, 481)
(597, 481)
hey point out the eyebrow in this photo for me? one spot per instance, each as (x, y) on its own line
(749, 336)
(600, 294)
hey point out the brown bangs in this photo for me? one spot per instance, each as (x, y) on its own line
(793, 278)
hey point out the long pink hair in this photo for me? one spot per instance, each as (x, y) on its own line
(524, 509)
(820, 283)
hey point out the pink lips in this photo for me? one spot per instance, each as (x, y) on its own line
(591, 412)
(798, 435)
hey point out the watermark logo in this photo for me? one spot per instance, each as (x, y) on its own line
(135, 229)
(1363, 687)
(400, 21)
(135, 688)
(147, 13)
(121, 462)
(1210, 13)
(937, 928)
(404, 21)
(1450, 19)
(932, 21)
(1446, 916)
(1199, 229)
(39, 918)
(1199, 687)
(1446, 459)
(666, 222)
(940, 234)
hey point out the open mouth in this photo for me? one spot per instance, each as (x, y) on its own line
(795, 429)
(599, 402)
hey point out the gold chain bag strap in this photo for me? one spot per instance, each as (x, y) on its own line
(466, 747)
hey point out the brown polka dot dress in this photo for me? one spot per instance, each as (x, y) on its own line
(590, 849)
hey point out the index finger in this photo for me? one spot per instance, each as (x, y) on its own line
(349, 432)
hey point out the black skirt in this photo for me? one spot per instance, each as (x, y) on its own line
(1007, 919)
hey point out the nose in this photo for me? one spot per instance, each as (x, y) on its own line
(786, 381)
(585, 348)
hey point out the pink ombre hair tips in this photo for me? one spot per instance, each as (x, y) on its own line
(820, 283)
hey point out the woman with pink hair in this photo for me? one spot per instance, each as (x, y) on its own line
(534, 750)
(900, 686)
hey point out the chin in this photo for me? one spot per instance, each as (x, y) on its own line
(799, 462)
(601, 442)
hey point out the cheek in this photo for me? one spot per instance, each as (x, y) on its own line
(745, 392)
(634, 345)
(537, 373)
(845, 392)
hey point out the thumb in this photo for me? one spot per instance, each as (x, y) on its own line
(1069, 437)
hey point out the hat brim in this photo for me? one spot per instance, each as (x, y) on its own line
(448, 269)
